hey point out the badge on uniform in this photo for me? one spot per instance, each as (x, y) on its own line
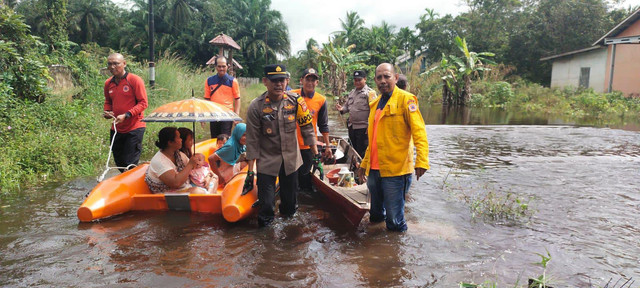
(267, 110)
(291, 117)
(125, 88)
(372, 96)
(302, 104)
(411, 104)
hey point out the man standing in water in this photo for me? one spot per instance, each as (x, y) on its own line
(223, 89)
(125, 99)
(317, 105)
(357, 106)
(388, 161)
(272, 143)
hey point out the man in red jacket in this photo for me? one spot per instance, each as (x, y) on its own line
(125, 99)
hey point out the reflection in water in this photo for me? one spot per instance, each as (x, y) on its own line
(497, 116)
(581, 181)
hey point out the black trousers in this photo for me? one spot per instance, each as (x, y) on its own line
(359, 140)
(267, 195)
(304, 172)
(127, 147)
(221, 127)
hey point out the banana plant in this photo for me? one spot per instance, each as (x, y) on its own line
(336, 61)
(457, 72)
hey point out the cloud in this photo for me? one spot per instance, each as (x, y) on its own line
(318, 19)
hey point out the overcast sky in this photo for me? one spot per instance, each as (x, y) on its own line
(318, 19)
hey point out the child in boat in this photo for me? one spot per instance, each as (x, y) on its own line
(220, 140)
(187, 141)
(201, 176)
(227, 161)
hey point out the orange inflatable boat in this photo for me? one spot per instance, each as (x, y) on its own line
(128, 192)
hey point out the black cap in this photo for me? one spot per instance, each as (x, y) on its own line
(359, 74)
(310, 71)
(275, 71)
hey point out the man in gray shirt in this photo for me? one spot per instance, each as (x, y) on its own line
(357, 106)
(272, 143)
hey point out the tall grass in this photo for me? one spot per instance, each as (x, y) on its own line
(50, 140)
(61, 139)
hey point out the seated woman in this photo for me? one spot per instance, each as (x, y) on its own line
(228, 155)
(169, 169)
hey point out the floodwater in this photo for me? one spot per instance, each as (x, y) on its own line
(580, 183)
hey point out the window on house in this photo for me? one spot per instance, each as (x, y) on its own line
(584, 77)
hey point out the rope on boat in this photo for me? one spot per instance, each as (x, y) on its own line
(107, 168)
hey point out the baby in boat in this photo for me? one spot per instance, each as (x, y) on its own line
(201, 176)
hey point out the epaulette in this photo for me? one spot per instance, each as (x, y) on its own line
(294, 96)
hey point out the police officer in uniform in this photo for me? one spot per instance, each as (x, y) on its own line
(357, 106)
(272, 143)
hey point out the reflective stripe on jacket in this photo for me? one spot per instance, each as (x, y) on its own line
(316, 104)
(400, 122)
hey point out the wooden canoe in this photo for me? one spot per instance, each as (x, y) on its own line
(128, 192)
(352, 202)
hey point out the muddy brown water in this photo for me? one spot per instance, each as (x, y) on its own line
(581, 184)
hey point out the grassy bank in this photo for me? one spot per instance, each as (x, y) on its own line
(500, 88)
(65, 136)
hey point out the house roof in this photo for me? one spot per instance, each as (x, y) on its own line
(635, 16)
(224, 40)
(620, 27)
(571, 53)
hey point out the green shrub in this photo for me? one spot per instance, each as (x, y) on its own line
(20, 65)
(491, 94)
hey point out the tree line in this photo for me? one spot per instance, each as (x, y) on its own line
(518, 32)
(183, 27)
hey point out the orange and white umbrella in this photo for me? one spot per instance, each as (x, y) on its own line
(192, 110)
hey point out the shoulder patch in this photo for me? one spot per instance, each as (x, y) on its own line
(412, 105)
(302, 103)
(372, 95)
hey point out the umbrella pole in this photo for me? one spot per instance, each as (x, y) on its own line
(194, 137)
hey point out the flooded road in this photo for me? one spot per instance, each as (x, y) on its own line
(580, 184)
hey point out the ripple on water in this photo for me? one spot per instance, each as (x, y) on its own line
(580, 183)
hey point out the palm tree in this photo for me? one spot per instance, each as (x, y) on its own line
(380, 39)
(309, 57)
(405, 40)
(260, 32)
(175, 13)
(87, 19)
(351, 28)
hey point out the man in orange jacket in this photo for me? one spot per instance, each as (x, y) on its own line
(317, 105)
(224, 89)
(394, 121)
